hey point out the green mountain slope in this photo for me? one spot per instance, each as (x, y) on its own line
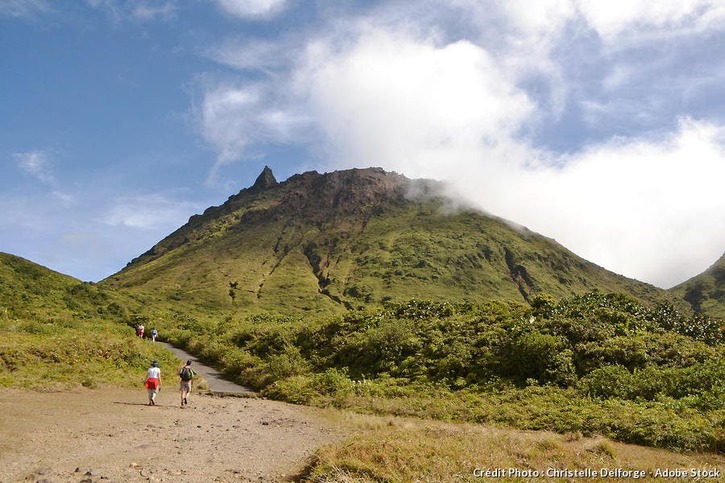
(56, 331)
(31, 292)
(26, 286)
(326, 243)
(706, 292)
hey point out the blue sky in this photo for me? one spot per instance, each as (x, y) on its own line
(599, 124)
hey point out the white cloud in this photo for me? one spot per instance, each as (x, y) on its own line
(148, 212)
(395, 101)
(37, 164)
(613, 21)
(649, 209)
(235, 118)
(630, 18)
(252, 9)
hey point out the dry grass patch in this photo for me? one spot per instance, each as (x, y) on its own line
(397, 449)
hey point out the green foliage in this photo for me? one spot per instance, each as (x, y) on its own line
(545, 358)
(91, 354)
(287, 363)
(295, 390)
(699, 384)
(584, 364)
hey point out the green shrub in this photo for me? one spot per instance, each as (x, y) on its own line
(295, 390)
(333, 382)
(543, 357)
(287, 364)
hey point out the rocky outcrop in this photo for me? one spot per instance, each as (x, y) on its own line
(265, 180)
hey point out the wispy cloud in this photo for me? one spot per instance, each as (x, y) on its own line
(37, 164)
(139, 10)
(148, 212)
(153, 11)
(632, 20)
(24, 8)
(256, 55)
(235, 118)
(616, 23)
(65, 199)
(252, 9)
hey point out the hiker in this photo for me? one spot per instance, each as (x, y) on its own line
(154, 335)
(140, 330)
(153, 382)
(186, 374)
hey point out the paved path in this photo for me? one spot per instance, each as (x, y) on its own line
(214, 379)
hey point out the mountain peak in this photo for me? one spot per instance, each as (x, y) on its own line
(265, 180)
(356, 237)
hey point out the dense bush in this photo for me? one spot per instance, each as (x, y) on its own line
(619, 368)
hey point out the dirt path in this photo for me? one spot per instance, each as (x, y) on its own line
(215, 381)
(111, 435)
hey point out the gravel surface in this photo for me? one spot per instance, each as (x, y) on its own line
(111, 435)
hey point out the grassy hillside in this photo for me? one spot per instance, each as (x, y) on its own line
(56, 331)
(326, 244)
(706, 292)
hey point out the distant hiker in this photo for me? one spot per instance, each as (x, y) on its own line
(186, 374)
(153, 382)
(140, 330)
(154, 335)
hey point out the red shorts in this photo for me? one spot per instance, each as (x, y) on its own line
(152, 383)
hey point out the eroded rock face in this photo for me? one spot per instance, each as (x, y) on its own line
(342, 192)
